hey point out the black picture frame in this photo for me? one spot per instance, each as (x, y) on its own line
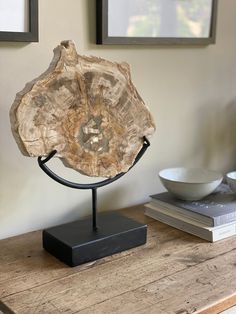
(32, 34)
(102, 37)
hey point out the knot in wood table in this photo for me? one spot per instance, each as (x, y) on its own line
(173, 273)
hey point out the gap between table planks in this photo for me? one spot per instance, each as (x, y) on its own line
(173, 273)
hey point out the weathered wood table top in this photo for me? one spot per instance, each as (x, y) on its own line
(173, 273)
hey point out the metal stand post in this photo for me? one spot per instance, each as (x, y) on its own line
(76, 243)
(94, 205)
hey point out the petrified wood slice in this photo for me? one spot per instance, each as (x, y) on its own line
(87, 109)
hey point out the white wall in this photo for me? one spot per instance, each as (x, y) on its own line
(191, 92)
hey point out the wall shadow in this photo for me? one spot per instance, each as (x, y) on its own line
(215, 145)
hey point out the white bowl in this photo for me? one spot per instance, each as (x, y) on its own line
(231, 180)
(190, 184)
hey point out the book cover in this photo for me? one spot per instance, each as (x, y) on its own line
(214, 210)
(211, 234)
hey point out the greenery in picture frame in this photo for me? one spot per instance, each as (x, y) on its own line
(146, 17)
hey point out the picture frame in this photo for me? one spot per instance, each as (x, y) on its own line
(27, 29)
(105, 23)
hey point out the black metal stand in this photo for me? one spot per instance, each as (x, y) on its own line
(76, 243)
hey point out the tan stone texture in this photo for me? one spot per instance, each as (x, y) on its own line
(87, 109)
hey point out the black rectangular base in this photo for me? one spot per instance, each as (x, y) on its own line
(76, 243)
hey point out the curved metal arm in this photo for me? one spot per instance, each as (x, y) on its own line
(51, 174)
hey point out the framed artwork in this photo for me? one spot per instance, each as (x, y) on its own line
(19, 20)
(156, 21)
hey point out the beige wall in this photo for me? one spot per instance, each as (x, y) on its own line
(191, 92)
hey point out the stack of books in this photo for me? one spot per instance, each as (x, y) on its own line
(212, 218)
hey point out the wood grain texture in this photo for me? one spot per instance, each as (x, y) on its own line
(173, 273)
(219, 307)
(85, 108)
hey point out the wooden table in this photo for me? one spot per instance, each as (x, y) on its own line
(173, 273)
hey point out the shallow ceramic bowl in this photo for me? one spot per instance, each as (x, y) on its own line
(231, 180)
(190, 184)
